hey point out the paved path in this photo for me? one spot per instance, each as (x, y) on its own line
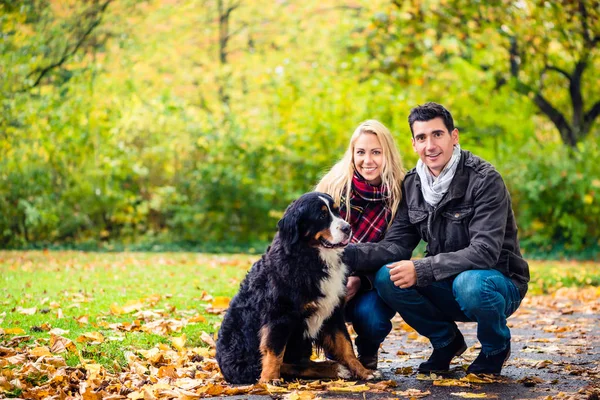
(555, 354)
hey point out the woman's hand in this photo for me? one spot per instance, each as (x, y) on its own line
(352, 287)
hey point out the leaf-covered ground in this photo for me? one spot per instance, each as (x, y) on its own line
(142, 326)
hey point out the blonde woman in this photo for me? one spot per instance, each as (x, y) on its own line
(367, 183)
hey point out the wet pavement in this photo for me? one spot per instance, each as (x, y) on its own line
(555, 355)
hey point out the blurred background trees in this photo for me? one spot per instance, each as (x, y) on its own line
(167, 123)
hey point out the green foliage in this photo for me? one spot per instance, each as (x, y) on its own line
(147, 132)
(555, 193)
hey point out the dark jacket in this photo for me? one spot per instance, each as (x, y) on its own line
(472, 227)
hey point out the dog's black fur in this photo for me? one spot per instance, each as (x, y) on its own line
(272, 322)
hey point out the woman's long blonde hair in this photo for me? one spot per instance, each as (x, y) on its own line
(338, 181)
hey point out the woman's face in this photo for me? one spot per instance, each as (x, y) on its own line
(368, 157)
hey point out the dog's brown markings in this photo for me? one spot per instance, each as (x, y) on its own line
(341, 349)
(310, 308)
(326, 233)
(271, 362)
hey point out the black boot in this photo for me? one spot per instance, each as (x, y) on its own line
(439, 361)
(484, 364)
(368, 361)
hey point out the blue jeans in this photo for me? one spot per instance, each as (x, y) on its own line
(483, 296)
(370, 317)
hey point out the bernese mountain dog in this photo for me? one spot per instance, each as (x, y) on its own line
(291, 299)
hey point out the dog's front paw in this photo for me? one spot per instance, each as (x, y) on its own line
(373, 375)
(274, 382)
(343, 372)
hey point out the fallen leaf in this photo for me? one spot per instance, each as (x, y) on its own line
(179, 342)
(450, 382)
(59, 344)
(40, 351)
(206, 338)
(93, 337)
(13, 331)
(413, 393)
(468, 395)
(26, 311)
(350, 389)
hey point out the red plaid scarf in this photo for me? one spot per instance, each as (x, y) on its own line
(370, 215)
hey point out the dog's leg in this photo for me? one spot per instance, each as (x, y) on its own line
(311, 370)
(273, 340)
(335, 340)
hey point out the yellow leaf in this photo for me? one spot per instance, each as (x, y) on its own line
(40, 351)
(303, 395)
(94, 370)
(13, 331)
(95, 337)
(276, 389)
(220, 302)
(116, 309)
(413, 393)
(352, 389)
(450, 382)
(179, 342)
(468, 395)
(197, 318)
(473, 378)
(167, 371)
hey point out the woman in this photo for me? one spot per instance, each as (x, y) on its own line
(367, 183)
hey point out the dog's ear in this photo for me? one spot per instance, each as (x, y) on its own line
(289, 227)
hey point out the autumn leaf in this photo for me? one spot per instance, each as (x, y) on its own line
(92, 337)
(26, 311)
(12, 331)
(404, 370)
(349, 389)
(468, 395)
(179, 342)
(413, 393)
(206, 338)
(450, 382)
(40, 351)
(197, 318)
(59, 344)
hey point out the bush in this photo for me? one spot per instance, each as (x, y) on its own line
(555, 193)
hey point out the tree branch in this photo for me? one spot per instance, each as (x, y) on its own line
(559, 120)
(556, 69)
(590, 116)
(67, 53)
(584, 23)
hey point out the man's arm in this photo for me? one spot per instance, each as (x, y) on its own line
(398, 244)
(486, 228)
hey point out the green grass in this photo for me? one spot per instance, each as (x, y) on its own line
(87, 284)
(173, 284)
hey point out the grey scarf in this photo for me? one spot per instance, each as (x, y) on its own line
(434, 187)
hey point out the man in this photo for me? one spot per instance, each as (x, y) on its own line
(473, 269)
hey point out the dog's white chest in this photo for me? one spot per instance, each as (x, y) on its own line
(332, 287)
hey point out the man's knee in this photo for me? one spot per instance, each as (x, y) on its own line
(390, 293)
(470, 289)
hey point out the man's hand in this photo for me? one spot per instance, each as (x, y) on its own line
(403, 274)
(352, 287)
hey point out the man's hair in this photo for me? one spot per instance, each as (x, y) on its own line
(429, 111)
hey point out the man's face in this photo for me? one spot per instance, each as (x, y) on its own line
(433, 143)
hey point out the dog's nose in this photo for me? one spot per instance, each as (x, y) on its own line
(346, 228)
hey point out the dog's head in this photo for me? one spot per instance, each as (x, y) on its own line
(315, 220)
